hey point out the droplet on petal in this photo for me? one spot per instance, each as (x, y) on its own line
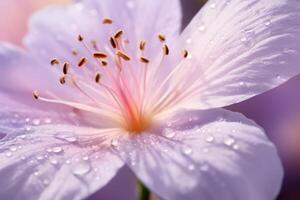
(81, 168)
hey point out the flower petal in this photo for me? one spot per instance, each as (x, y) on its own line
(213, 154)
(52, 35)
(53, 162)
(240, 49)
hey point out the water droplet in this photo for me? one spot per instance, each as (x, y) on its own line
(40, 157)
(8, 154)
(114, 142)
(229, 141)
(68, 162)
(66, 136)
(235, 147)
(212, 6)
(202, 28)
(57, 150)
(85, 158)
(168, 133)
(81, 168)
(189, 41)
(37, 173)
(268, 23)
(48, 121)
(187, 150)
(210, 139)
(53, 161)
(13, 148)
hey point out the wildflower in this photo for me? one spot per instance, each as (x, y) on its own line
(114, 82)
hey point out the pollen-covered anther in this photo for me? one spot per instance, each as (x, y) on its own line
(36, 95)
(185, 53)
(161, 37)
(142, 45)
(97, 77)
(80, 38)
(166, 50)
(107, 21)
(144, 60)
(104, 62)
(54, 61)
(113, 42)
(81, 62)
(62, 80)
(118, 34)
(66, 66)
(100, 55)
(123, 55)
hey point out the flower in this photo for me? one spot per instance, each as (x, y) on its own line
(116, 82)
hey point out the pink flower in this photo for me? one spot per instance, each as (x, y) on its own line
(126, 87)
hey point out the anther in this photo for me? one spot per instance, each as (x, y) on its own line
(97, 77)
(142, 45)
(118, 34)
(81, 62)
(185, 53)
(80, 38)
(36, 95)
(74, 52)
(66, 67)
(144, 60)
(107, 21)
(54, 62)
(62, 80)
(123, 55)
(99, 55)
(162, 37)
(166, 50)
(104, 63)
(113, 42)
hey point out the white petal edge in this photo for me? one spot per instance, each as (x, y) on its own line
(239, 49)
(214, 154)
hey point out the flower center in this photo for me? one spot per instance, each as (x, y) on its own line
(116, 84)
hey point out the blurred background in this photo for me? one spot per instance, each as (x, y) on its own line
(277, 111)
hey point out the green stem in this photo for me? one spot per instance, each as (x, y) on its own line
(143, 192)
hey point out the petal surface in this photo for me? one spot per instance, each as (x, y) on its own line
(53, 162)
(211, 155)
(239, 49)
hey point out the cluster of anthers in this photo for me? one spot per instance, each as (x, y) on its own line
(113, 89)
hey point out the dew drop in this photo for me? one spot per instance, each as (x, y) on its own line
(191, 167)
(53, 161)
(40, 157)
(37, 173)
(57, 150)
(209, 139)
(8, 154)
(235, 147)
(189, 41)
(85, 158)
(13, 148)
(66, 136)
(68, 162)
(114, 142)
(201, 28)
(187, 150)
(48, 121)
(229, 141)
(168, 133)
(81, 168)
(36, 122)
(212, 6)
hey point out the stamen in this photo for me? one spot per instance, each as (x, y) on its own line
(123, 55)
(144, 60)
(97, 77)
(107, 21)
(62, 80)
(104, 63)
(54, 61)
(166, 50)
(80, 38)
(113, 42)
(118, 34)
(36, 95)
(66, 67)
(74, 52)
(142, 45)
(99, 55)
(185, 53)
(81, 62)
(161, 37)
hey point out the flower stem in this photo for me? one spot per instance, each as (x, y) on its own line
(143, 192)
